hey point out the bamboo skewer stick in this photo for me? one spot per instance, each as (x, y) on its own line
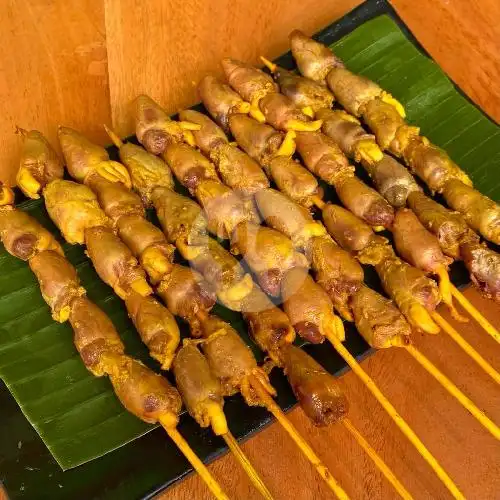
(466, 347)
(246, 464)
(454, 391)
(381, 465)
(193, 459)
(476, 315)
(398, 419)
(273, 407)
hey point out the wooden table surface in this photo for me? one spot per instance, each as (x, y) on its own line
(82, 63)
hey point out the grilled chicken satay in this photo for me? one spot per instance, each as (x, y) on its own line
(39, 164)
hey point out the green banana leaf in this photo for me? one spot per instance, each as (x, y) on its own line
(76, 414)
(380, 51)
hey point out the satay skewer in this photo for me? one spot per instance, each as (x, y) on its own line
(96, 339)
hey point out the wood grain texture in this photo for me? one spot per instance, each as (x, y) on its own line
(52, 71)
(468, 452)
(174, 46)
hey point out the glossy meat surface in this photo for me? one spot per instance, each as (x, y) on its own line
(73, 208)
(95, 336)
(59, 282)
(23, 236)
(156, 326)
(210, 136)
(114, 262)
(319, 394)
(378, 320)
(480, 212)
(279, 110)
(153, 127)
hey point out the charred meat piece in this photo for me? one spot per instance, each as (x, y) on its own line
(338, 273)
(148, 244)
(308, 306)
(210, 136)
(268, 325)
(156, 326)
(392, 180)
(480, 212)
(318, 393)
(323, 157)
(224, 209)
(221, 101)
(58, 282)
(180, 216)
(258, 140)
(114, 262)
(73, 208)
(95, 336)
(200, 390)
(483, 265)
(153, 127)
(251, 83)
(303, 92)
(314, 59)
(187, 295)
(39, 164)
(147, 171)
(268, 253)
(415, 244)
(433, 165)
(145, 394)
(189, 166)
(449, 227)
(23, 236)
(378, 320)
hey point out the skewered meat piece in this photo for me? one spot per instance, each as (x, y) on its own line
(378, 320)
(309, 308)
(433, 165)
(95, 336)
(210, 136)
(114, 262)
(480, 212)
(58, 281)
(39, 164)
(84, 159)
(221, 101)
(351, 233)
(314, 59)
(156, 326)
(224, 209)
(148, 244)
(268, 253)
(180, 217)
(147, 171)
(318, 393)
(415, 244)
(260, 141)
(222, 271)
(251, 83)
(303, 92)
(189, 166)
(22, 236)
(231, 360)
(449, 227)
(187, 295)
(145, 394)
(73, 208)
(268, 325)
(483, 265)
(240, 172)
(153, 127)
(200, 390)
(338, 273)
(289, 218)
